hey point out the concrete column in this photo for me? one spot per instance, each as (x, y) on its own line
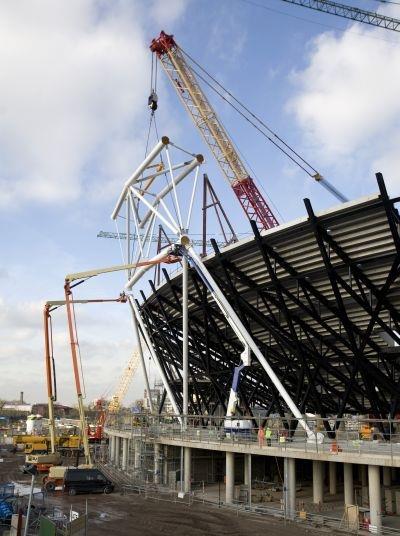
(125, 449)
(332, 478)
(111, 448)
(166, 466)
(291, 487)
(245, 471)
(187, 469)
(394, 474)
(157, 465)
(318, 482)
(348, 483)
(117, 450)
(247, 475)
(137, 455)
(375, 497)
(387, 476)
(229, 477)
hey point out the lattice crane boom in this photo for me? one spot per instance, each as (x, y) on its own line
(350, 12)
(204, 117)
(125, 381)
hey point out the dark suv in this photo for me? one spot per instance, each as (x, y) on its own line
(86, 481)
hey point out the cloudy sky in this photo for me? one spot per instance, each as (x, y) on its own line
(73, 123)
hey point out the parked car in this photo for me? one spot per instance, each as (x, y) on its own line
(86, 481)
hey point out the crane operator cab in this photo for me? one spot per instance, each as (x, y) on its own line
(153, 101)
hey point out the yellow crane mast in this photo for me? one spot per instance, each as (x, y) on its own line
(125, 381)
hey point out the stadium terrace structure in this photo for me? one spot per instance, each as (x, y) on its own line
(320, 296)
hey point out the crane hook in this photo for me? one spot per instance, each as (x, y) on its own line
(152, 101)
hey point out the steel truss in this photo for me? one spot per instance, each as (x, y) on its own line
(324, 331)
(350, 12)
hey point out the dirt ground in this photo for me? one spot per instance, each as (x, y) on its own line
(117, 514)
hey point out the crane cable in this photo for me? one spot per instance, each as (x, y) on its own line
(254, 176)
(316, 175)
(153, 90)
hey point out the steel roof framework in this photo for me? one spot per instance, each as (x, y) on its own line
(320, 298)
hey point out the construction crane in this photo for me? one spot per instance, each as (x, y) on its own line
(350, 12)
(72, 280)
(163, 239)
(124, 383)
(184, 80)
(51, 381)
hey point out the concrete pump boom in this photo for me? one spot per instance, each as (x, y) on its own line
(49, 358)
(73, 337)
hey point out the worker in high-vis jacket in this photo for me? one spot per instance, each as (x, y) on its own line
(268, 435)
(260, 436)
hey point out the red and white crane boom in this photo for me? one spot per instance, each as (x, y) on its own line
(184, 80)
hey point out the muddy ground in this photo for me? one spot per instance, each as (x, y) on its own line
(117, 514)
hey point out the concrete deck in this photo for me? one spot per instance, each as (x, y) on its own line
(362, 452)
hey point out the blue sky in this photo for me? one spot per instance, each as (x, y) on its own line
(73, 124)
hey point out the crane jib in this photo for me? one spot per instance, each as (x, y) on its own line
(213, 132)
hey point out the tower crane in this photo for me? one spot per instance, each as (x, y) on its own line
(164, 239)
(350, 12)
(183, 79)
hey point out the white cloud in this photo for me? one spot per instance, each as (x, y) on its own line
(106, 343)
(73, 94)
(228, 40)
(347, 102)
(165, 13)
(73, 89)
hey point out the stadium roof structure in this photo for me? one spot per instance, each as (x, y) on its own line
(320, 296)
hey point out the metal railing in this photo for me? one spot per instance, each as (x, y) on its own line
(353, 435)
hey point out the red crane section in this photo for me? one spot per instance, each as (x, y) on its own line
(184, 80)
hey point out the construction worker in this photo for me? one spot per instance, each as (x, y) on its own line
(261, 436)
(268, 435)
